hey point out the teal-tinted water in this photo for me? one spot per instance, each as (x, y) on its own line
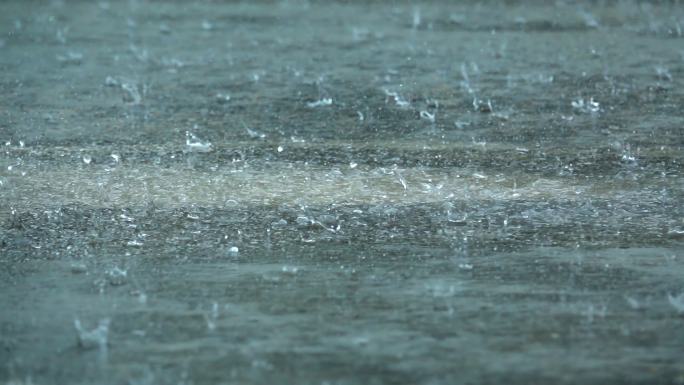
(341, 193)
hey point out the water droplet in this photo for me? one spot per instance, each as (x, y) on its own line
(396, 98)
(677, 302)
(291, 270)
(320, 103)
(303, 221)
(663, 73)
(116, 276)
(96, 338)
(588, 106)
(233, 251)
(134, 242)
(222, 98)
(79, 268)
(111, 82)
(416, 17)
(427, 116)
(132, 94)
(212, 317)
(70, 58)
(195, 144)
(482, 106)
(633, 303)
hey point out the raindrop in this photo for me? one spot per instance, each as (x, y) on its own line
(195, 144)
(79, 268)
(233, 251)
(134, 242)
(303, 221)
(95, 338)
(111, 82)
(61, 35)
(416, 17)
(320, 103)
(401, 179)
(633, 303)
(677, 302)
(212, 317)
(222, 98)
(290, 270)
(254, 134)
(396, 98)
(132, 94)
(482, 106)
(116, 276)
(663, 73)
(427, 116)
(588, 106)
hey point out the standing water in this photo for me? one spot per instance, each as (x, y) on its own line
(343, 192)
